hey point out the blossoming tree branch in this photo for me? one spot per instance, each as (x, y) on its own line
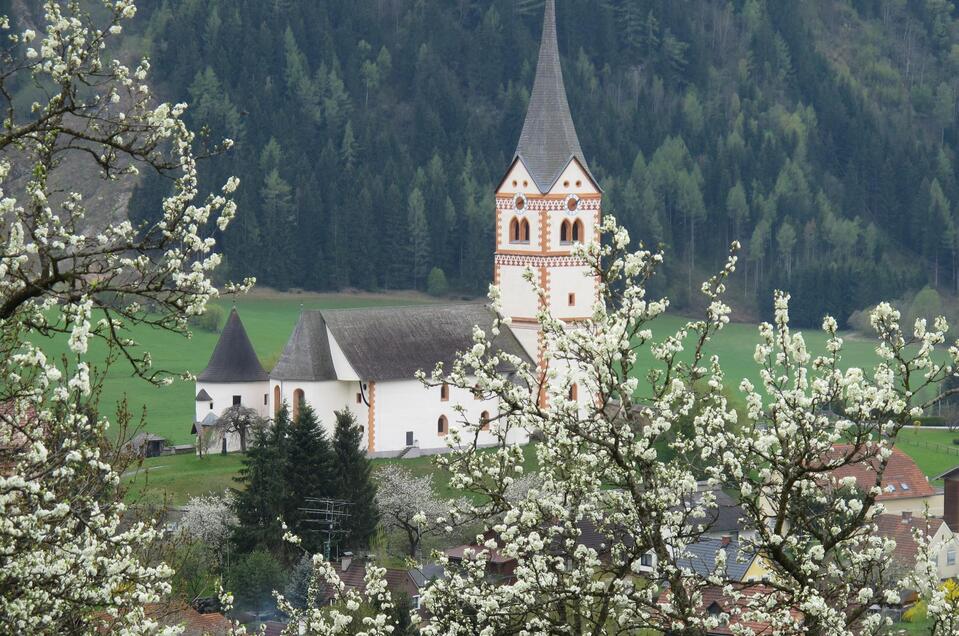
(67, 564)
(601, 463)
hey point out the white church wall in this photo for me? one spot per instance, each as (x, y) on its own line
(341, 365)
(518, 181)
(572, 292)
(251, 396)
(323, 397)
(574, 180)
(406, 406)
(518, 298)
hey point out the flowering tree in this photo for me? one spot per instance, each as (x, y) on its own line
(210, 520)
(410, 504)
(67, 563)
(600, 461)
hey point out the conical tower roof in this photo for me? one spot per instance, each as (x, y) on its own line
(234, 359)
(549, 139)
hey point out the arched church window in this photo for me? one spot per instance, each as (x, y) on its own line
(442, 426)
(514, 231)
(484, 421)
(564, 231)
(298, 401)
(574, 393)
(577, 231)
(525, 230)
(277, 401)
(445, 392)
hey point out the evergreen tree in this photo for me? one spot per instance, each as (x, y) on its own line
(259, 500)
(308, 472)
(353, 480)
(419, 237)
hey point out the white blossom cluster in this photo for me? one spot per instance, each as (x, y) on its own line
(639, 462)
(70, 554)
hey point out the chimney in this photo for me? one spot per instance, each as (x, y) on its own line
(906, 516)
(726, 540)
(951, 501)
(345, 561)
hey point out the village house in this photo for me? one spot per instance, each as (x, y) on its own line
(366, 359)
(904, 486)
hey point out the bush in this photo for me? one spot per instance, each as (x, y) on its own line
(956, 441)
(209, 321)
(253, 578)
(436, 283)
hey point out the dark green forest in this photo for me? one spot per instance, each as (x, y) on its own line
(370, 135)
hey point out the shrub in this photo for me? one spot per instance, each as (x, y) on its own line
(436, 283)
(956, 441)
(209, 321)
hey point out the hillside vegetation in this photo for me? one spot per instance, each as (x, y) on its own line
(370, 135)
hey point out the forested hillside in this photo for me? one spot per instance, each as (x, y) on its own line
(370, 134)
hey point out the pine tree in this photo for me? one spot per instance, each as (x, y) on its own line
(261, 492)
(308, 470)
(419, 237)
(353, 481)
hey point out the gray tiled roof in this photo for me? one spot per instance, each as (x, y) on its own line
(700, 557)
(390, 343)
(307, 353)
(394, 343)
(203, 396)
(549, 141)
(233, 359)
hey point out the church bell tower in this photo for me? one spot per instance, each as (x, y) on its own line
(547, 202)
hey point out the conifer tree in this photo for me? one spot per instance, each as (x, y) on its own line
(307, 472)
(260, 497)
(353, 480)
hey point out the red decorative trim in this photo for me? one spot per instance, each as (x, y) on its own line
(371, 421)
(537, 260)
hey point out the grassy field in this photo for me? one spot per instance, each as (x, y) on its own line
(174, 479)
(269, 319)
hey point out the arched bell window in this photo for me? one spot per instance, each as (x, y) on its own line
(565, 231)
(514, 231)
(574, 393)
(484, 421)
(577, 231)
(442, 426)
(524, 229)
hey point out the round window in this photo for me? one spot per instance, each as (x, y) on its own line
(519, 202)
(572, 203)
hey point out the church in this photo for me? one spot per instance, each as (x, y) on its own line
(366, 359)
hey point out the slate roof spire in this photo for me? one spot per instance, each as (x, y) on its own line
(549, 139)
(234, 359)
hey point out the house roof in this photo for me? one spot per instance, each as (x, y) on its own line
(902, 478)
(307, 352)
(700, 557)
(234, 359)
(900, 529)
(390, 343)
(426, 573)
(715, 600)
(396, 580)
(951, 474)
(203, 396)
(549, 141)
(724, 517)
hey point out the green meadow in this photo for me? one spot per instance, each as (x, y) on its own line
(269, 319)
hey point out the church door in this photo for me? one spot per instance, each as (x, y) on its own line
(409, 438)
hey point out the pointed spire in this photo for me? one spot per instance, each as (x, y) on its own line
(549, 140)
(234, 359)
